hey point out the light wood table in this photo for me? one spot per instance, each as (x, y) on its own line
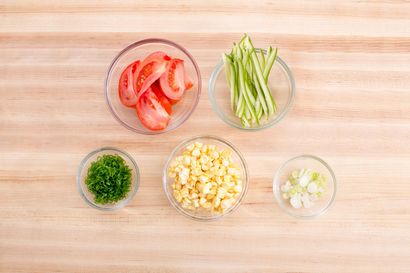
(351, 62)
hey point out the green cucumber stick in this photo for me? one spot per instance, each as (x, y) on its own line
(260, 95)
(269, 63)
(245, 122)
(262, 59)
(241, 110)
(230, 75)
(248, 104)
(259, 75)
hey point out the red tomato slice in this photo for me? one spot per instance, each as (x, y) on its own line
(126, 90)
(173, 102)
(188, 81)
(162, 98)
(151, 69)
(173, 80)
(151, 112)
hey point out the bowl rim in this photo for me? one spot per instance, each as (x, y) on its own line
(135, 45)
(211, 90)
(176, 205)
(276, 183)
(131, 194)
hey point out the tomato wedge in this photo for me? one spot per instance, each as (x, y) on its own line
(151, 112)
(126, 90)
(188, 81)
(162, 98)
(173, 80)
(150, 70)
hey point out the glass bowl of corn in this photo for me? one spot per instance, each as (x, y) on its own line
(205, 178)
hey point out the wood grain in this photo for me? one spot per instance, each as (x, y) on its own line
(351, 61)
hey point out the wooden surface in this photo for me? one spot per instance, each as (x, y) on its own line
(351, 62)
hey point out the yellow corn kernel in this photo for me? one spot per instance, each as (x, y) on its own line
(209, 197)
(227, 178)
(227, 203)
(238, 188)
(207, 205)
(187, 160)
(204, 148)
(194, 195)
(202, 200)
(193, 178)
(196, 152)
(198, 144)
(190, 147)
(177, 195)
(229, 195)
(194, 164)
(221, 193)
(214, 155)
(216, 202)
(203, 179)
(196, 172)
(204, 159)
(184, 192)
(206, 188)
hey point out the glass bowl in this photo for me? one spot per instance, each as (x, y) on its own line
(281, 84)
(83, 170)
(201, 214)
(138, 51)
(305, 162)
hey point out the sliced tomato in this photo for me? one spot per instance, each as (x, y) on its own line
(173, 80)
(151, 112)
(173, 102)
(126, 90)
(188, 81)
(162, 98)
(150, 70)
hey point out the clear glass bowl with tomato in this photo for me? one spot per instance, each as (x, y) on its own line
(153, 86)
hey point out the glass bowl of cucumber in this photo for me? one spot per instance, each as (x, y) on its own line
(251, 88)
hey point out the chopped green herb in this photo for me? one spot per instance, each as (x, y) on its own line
(109, 179)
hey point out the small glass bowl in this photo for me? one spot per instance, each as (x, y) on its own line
(306, 162)
(201, 214)
(138, 51)
(282, 87)
(83, 170)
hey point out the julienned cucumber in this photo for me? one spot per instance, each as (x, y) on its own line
(247, 76)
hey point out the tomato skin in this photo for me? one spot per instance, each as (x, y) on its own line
(162, 98)
(151, 112)
(126, 92)
(188, 81)
(173, 80)
(173, 102)
(151, 69)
